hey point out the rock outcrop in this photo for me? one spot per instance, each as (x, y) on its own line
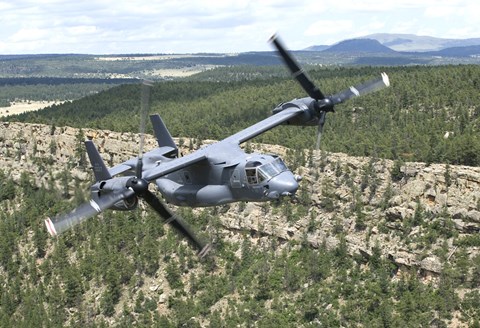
(355, 197)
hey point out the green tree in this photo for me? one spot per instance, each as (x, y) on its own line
(396, 172)
(73, 287)
(7, 187)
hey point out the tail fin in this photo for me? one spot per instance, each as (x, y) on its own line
(164, 138)
(99, 169)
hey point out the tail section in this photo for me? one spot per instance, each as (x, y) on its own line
(99, 169)
(164, 138)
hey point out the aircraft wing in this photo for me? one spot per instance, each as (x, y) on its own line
(118, 169)
(263, 126)
(237, 138)
(174, 165)
(131, 164)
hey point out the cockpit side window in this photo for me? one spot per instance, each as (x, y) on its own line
(251, 172)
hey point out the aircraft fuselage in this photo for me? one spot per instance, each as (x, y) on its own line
(248, 177)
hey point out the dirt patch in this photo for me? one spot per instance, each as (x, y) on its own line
(181, 72)
(26, 106)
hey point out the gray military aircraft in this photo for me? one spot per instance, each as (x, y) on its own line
(216, 174)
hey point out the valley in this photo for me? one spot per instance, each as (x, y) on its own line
(420, 222)
(384, 230)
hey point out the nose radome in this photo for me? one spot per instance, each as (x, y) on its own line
(284, 183)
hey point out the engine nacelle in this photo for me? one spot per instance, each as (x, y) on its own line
(114, 185)
(126, 204)
(309, 117)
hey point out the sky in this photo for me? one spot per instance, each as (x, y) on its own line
(220, 26)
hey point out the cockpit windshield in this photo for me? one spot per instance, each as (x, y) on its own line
(269, 170)
(257, 172)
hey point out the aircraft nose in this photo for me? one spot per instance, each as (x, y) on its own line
(283, 184)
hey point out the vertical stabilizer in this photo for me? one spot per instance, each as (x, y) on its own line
(98, 166)
(164, 138)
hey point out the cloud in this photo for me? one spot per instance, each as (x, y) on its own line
(81, 30)
(107, 26)
(29, 34)
(328, 27)
(444, 11)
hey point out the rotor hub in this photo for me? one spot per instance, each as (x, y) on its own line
(138, 185)
(325, 105)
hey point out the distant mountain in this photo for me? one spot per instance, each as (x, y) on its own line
(467, 51)
(415, 43)
(405, 44)
(359, 45)
(317, 48)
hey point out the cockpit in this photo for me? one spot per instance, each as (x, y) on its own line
(256, 172)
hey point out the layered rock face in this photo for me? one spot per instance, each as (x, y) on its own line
(412, 212)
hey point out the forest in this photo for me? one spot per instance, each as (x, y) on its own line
(50, 88)
(83, 277)
(103, 273)
(406, 122)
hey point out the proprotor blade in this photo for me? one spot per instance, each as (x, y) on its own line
(321, 123)
(297, 72)
(62, 223)
(361, 89)
(176, 222)
(143, 117)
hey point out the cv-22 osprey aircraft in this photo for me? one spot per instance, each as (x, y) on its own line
(216, 174)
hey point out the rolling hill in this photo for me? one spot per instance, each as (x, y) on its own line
(404, 45)
(360, 45)
(415, 43)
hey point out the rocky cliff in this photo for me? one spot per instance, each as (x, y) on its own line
(416, 213)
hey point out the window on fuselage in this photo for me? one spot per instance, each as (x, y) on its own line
(251, 174)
